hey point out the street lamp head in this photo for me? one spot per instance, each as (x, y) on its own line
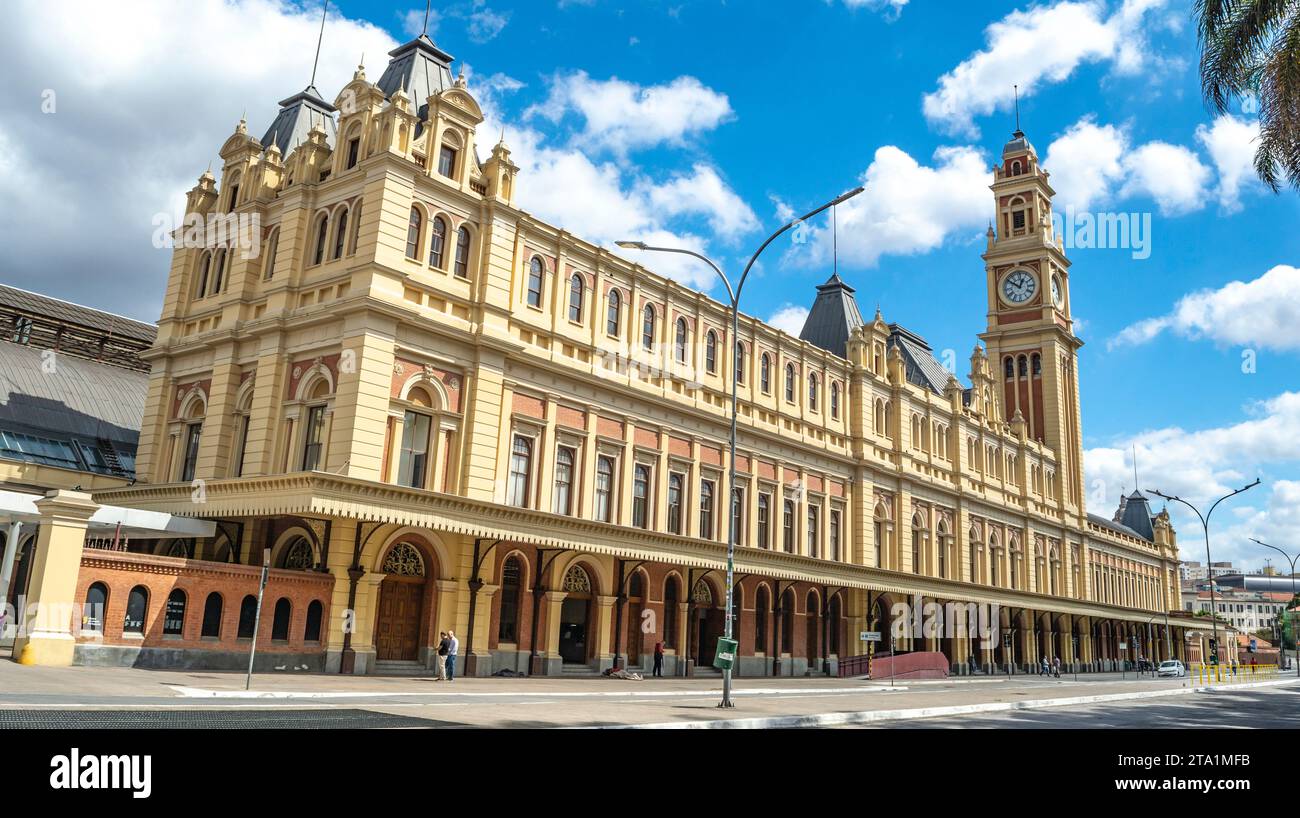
(631, 245)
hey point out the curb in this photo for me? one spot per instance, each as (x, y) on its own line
(870, 716)
(205, 693)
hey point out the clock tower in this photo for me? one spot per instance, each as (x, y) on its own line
(1030, 339)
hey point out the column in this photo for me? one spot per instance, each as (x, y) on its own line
(12, 537)
(605, 624)
(53, 579)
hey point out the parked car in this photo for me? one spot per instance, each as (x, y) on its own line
(1173, 667)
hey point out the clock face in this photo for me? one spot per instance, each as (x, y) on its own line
(1019, 287)
(1058, 292)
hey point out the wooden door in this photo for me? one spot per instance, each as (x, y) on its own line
(398, 637)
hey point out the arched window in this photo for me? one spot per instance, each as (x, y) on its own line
(201, 280)
(680, 341)
(563, 493)
(648, 328)
(536, 269)
(212, 617)
(1038, 365)
(835, 400)
(413, 235)
(916, 546)
(711, 352)
(765, 374)
(233, 201)
(706, 509)
(941, 540)
(315, 613)
(614, 313)
(787, 527)
(512, 574)
(521, 468)
(764, 521)
(974, 555)
(174, 613)
(641, 496)
(787, 621)
(340, 234)
(298, 556)
(219, 271)
(137, 605)
(280, 622)
(92, 616)
(604, 489)
(671, 596)
(1009, 367)
(740, 362)
(575, 298)
(789, 383)
(462, 252)
(675, 481)
(761, 606)
(272, 244)
(1023, 364)
(322, 233)
(247, 617)
(437, 243)
(812, 391)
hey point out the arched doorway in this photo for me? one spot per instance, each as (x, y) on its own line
(575, 613)
(812, 623)
(401, 603)
(708, 623)
(635, 604)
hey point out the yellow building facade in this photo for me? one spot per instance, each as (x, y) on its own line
(472, 420)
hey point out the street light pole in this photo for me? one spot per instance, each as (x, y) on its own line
(1292, 616)
(1205, 526)
(733, 294)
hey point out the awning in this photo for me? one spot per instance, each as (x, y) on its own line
(135, 524)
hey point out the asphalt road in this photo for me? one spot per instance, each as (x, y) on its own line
(1245, 709)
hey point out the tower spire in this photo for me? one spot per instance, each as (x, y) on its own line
(319, 39)
(427, 5)
(1019, 133)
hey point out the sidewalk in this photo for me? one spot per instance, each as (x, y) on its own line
(561, 702)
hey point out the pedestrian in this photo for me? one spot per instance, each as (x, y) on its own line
(1056, 667)
(1043, 668)
(444, 645)
(453, 648)
(659, 660)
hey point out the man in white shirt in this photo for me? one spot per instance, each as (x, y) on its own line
(452, 652)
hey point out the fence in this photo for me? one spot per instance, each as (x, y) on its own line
(1233, 674)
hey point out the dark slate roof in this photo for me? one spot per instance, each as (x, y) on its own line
(1120, 527)
(920, 364)
(833, 317)
(1017, 144)
(1137, 516)
(67, 312)
(74, 397)
(420, 69)
(298, 115)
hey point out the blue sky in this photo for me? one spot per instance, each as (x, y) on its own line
(705, 122)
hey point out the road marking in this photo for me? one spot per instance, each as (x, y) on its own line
(204, 693)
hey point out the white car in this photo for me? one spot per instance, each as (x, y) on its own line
(1173, 667)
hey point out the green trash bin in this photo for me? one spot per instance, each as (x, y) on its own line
(725, 657)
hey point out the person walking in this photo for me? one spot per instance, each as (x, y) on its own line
(453, 648)
(444, 645)
(659, 660)
(1056, 667)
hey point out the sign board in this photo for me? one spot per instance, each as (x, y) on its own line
(725, 658)
(1123, 645)
(871, 636)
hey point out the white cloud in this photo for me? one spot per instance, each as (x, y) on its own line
(1203, 465)
(484, 24)
(907, 208)
(1036, 47)
(892, 8)
(624, 116)
(604, 201)
(1263, 313)
(790, 319)
(1085, 162)
(1231, 145)
(140, 135)
(1094, 164)
(1170, 174)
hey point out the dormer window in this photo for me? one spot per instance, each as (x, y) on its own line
(447, 161)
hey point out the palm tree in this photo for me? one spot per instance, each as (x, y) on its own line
(1252, 47)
